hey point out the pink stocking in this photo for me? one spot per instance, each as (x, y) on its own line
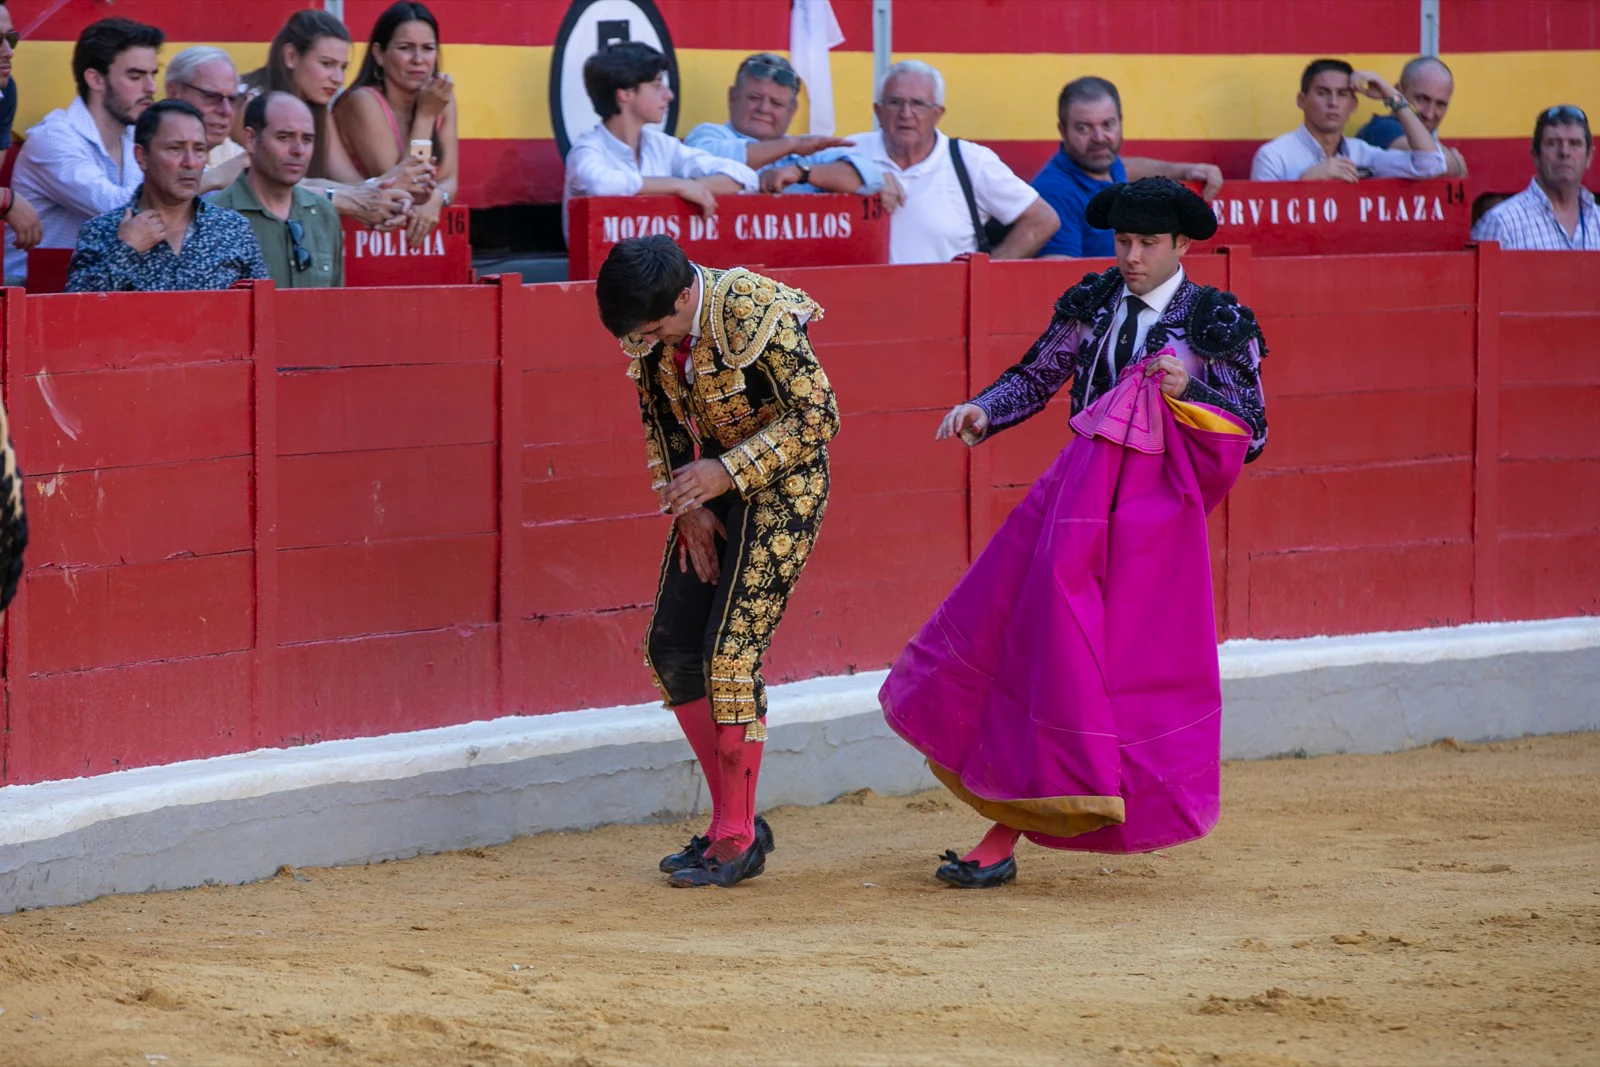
(695, 720)
(997, 844)
(740, 763)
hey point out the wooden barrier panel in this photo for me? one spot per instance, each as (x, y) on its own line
(811, 230)
(445, 258)
(265, 518)
(1543, 449)
(1341, 218)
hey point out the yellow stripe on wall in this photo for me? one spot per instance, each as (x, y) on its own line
(503, 90)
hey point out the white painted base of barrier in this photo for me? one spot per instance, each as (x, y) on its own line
(236, 818)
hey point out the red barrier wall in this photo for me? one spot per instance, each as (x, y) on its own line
(268, 518)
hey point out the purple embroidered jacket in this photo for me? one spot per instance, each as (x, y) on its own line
(1215, 336)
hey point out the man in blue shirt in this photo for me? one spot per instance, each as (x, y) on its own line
(1428, 84)
(1089, 118)
(761, 104)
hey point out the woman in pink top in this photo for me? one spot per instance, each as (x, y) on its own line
(398, 97)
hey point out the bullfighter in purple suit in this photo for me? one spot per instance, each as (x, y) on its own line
(1068, 688)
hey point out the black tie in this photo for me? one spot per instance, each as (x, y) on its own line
(1123, 354)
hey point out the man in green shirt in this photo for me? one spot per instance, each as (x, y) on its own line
(298, 230)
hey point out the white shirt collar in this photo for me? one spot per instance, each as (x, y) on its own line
(939, 156)
(1315, 145)
(1157, 299)
(699, 304)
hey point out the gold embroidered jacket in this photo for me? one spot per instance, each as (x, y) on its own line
(759, 401)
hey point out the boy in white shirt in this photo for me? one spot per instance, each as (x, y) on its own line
(624, 156)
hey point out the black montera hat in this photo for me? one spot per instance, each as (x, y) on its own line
(1151, 205)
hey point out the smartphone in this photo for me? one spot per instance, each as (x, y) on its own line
(422, 150)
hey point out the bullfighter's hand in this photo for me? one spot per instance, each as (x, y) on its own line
(1176, 378)
(695, 485)
(697, 545)
(968, 420)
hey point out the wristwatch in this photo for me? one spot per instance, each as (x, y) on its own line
(805, 173)
(1398, 102)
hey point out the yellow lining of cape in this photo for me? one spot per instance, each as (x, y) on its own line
(1197, 417)
(1055, 816)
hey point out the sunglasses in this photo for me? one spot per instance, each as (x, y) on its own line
(761, 70)
(11, 37)
(297, 233)
(1566, 113)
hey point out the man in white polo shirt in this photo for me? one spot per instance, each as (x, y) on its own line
(939, 220)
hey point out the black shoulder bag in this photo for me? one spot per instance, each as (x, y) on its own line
(990, 233)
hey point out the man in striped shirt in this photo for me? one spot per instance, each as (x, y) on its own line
(1555, 212)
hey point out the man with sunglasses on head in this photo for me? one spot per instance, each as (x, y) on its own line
(298, 231)
(1555, 213)
(761, 104)
(166, 238)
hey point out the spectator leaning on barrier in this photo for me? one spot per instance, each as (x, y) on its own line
(1429, 85)
(1318, 150)
(624, 156)
(1089, 119)
(938, 220)
(18, 214)
(402, 100)
(166, 238)
(298, 231)
(761, 104)
(206, 77)
(79, 162)
(308, 58)
(1555, 212)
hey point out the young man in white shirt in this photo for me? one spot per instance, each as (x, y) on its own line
(624, 156)
(1318, 150)
(935, 224)
(78, 163)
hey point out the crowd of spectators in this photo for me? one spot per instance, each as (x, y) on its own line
(947, 196)
(284, 151)
(231, 177)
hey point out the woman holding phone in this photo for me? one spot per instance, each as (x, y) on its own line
(308, 58)
(402, 105)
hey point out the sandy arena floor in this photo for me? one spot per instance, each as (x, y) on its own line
(1440, 906)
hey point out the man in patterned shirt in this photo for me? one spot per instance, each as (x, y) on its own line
(1555, 213)
(724, 370)
(166, 238)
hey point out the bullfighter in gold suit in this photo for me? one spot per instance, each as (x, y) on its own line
(725, 373)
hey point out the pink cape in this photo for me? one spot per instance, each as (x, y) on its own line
(1068, 686)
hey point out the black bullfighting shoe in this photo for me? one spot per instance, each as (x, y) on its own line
(691, 855)
(764, 836)
(966, 874)
(727, 874)
(695, 850)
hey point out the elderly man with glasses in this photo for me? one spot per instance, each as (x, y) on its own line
(1555, 213)
(206, 77)
(761, 104)
(298, 231)
(959, 196)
